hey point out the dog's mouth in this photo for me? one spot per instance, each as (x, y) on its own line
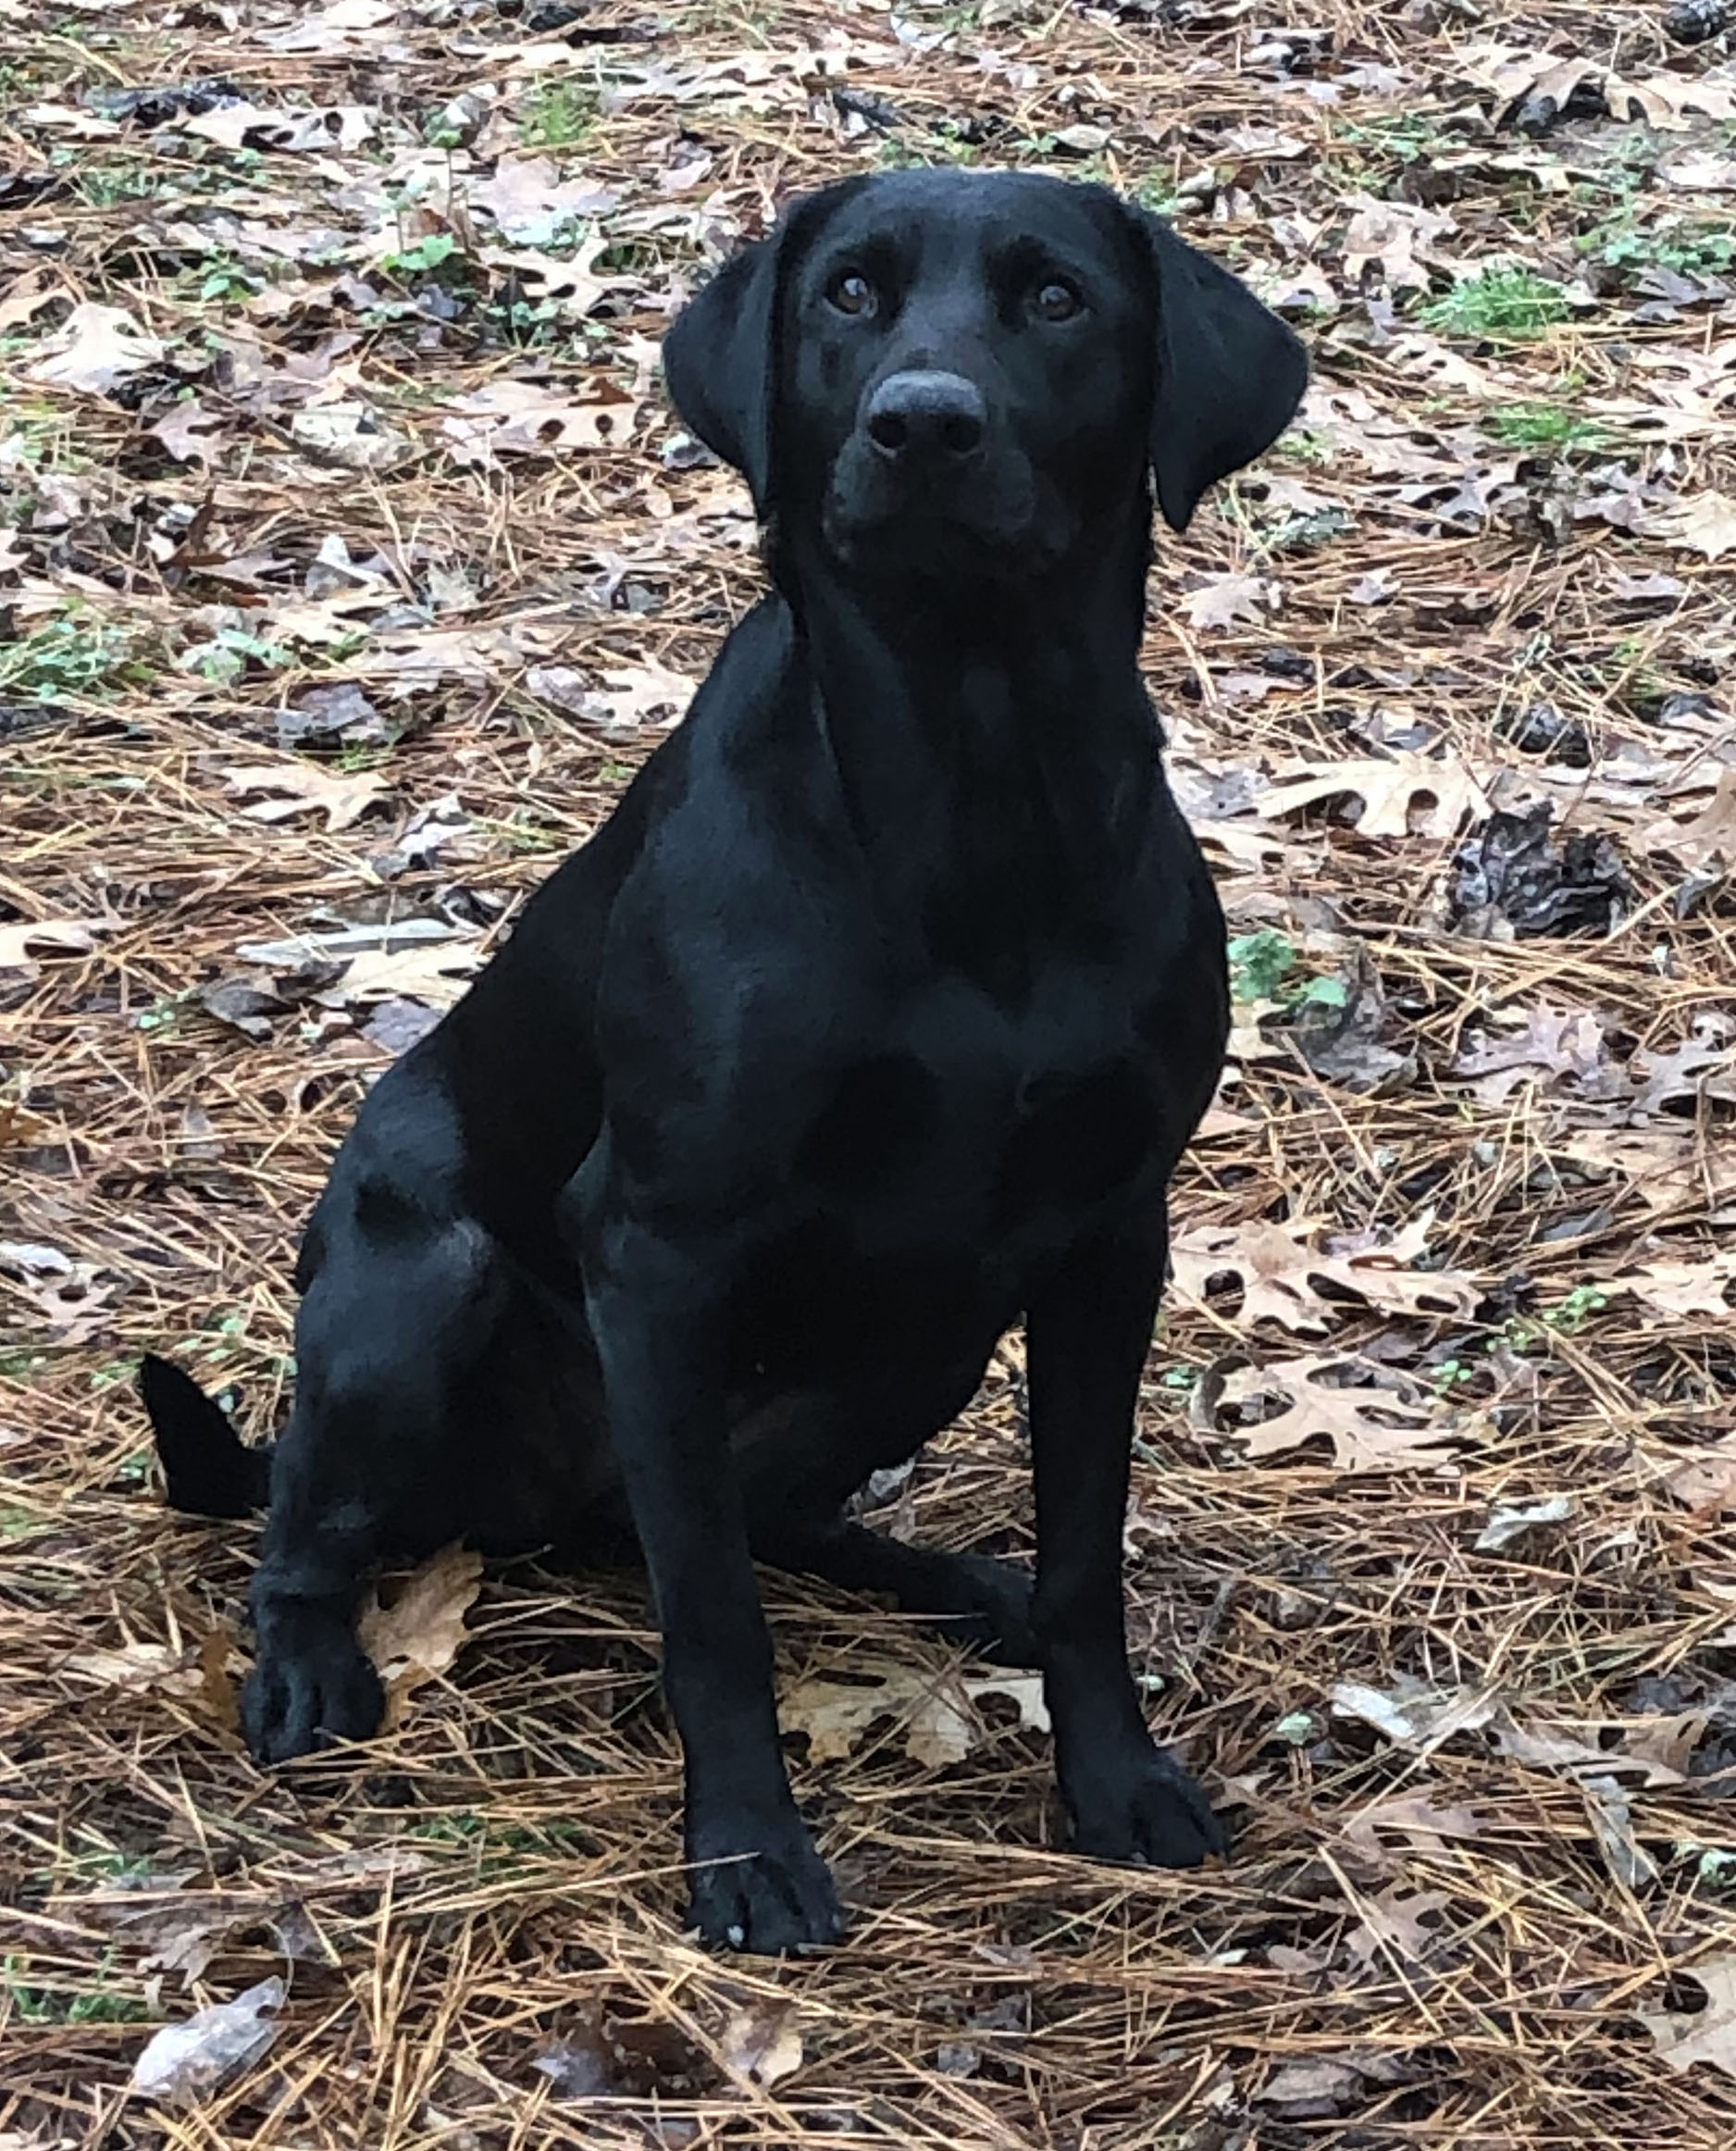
(979, 527)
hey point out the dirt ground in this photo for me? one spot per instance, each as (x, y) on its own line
(350, 560)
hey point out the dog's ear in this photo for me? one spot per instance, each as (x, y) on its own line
(719, 357)
(1228, 376)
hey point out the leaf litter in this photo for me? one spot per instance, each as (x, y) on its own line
(310, 325)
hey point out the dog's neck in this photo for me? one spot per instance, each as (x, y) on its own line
(995, 750)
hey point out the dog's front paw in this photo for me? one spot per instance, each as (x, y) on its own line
(1145, 1810)
(313, 1686)
(761, 1886)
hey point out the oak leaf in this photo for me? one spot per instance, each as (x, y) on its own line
(1710, 2036)
(1279, 1272)
(1389, 790)
(1388, 1423)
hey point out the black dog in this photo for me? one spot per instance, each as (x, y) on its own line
(875, 1016)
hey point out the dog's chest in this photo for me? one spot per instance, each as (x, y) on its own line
(954, 1107)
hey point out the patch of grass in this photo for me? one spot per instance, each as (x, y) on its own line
(108, 186)
(68, 656)
(1688, 246)
(44, 2005)
(1545, 430)
(1501, 306)
(1403, 138)
(560, 114)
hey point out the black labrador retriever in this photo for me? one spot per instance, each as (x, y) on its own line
(875, 1017)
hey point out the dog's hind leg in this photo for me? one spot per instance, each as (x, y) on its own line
(392, 1320)
(969, 1597)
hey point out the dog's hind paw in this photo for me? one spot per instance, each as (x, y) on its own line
(779, 1897)
(308, 1691)
(1149, 1813)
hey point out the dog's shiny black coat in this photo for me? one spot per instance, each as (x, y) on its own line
(874, 1018)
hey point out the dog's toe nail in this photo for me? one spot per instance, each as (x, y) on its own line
(735, 1936)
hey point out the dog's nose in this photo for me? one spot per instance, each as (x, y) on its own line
(927, 416)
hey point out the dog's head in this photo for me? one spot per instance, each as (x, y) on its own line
(964, 373)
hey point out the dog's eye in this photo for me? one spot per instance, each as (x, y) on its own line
(1055, 302)
(851, 293)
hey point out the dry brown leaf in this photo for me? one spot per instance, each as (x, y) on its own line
(1414, 1817)
(306, 790)
(1698, 1074)
(1709, 835)
(190, 433)
(351, 435)
(520, 418)
(1683, 1289)
(1387, 1423)
(1398, 237)
(1557, 1749)
(760, 2044)
(1389, 791)
(1706, 1482)
(1279, 1272)
(641, 694)
(1665, 101)
(936, 1728)
(1224, 600)
(436, 976)
(1556, 1041)
(139, 1665)
(532, 205)
(1413, 1715)
(1394, 1921)
(95, 349)
(284, 127)
(1706, 524)
(345, 26)
(938, 1724)
(1669, 1170)
(1709, 2034)
(73, 937)
(416, 1639)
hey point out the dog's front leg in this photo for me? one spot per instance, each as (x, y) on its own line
(758, 1882)
(1087, 1336)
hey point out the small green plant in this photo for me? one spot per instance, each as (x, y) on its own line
(1576, 1310)
(1686, 246)
(1157, 194)
(1404, 138)
(231, 653)
(224, 283)
(44, 2005)
(1261, 968)
(1307, 446)
(108, 186)
(421, 259)
(69, 655)
(561, 114)
(1545, 430)
(1713, 1867)
(1500, 306)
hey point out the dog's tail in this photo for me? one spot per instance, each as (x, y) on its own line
(208, 1469)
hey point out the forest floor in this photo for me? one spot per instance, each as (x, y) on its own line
(352, 561)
